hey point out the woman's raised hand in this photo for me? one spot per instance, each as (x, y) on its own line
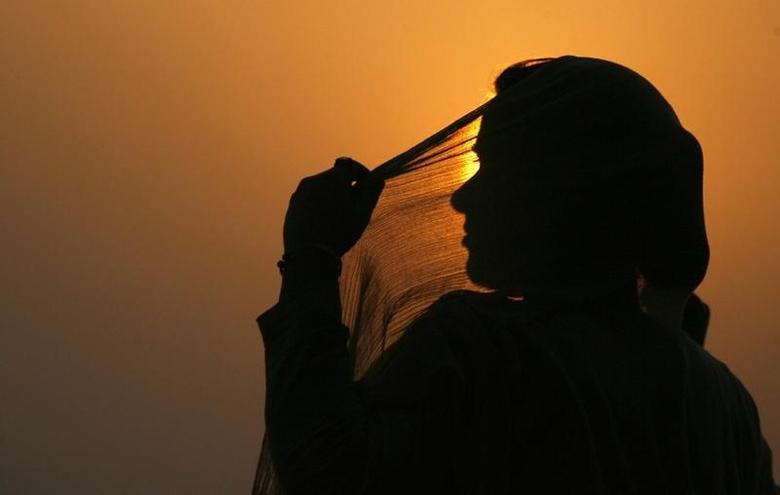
(331, 210)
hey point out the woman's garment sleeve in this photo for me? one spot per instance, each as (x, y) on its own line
(324, 436)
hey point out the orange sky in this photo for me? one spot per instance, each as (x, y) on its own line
(148, 149)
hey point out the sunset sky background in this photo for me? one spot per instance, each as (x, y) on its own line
(148, 150)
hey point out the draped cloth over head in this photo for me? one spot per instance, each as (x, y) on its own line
(583, 127)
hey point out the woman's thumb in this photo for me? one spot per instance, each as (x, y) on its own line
(368, 189)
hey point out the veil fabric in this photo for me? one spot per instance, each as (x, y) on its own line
(578, 125)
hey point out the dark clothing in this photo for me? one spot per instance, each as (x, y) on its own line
(484, 395)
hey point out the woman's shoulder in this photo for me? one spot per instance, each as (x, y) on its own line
(471, 304)
(441, 332)
(443, 344)
(453, 316)
(473, 324)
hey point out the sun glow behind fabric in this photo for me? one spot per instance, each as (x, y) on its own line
(470, 159)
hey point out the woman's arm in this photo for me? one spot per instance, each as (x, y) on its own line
(317, 429)
(324, 435)
(321, 438)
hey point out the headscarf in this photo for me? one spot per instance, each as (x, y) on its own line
(617, 180)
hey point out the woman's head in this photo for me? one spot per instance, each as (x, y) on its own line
(586, 178)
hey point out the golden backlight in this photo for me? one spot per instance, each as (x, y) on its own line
(470, 159)
(148, 151)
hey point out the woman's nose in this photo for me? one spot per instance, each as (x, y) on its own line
(459, 199)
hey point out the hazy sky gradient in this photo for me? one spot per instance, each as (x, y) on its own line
(148, 150)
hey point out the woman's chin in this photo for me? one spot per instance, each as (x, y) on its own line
(486, 274)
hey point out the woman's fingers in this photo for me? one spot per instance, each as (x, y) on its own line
(350, 170)
(333, 207)
(367, 192)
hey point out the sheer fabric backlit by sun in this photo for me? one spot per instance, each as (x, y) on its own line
(380, 298)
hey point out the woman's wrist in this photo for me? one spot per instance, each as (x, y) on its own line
(310, 277)
(311, 261)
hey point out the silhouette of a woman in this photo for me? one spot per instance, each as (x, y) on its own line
(586, 181)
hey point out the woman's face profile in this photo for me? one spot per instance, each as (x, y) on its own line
(523, 232)
(498, 227)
